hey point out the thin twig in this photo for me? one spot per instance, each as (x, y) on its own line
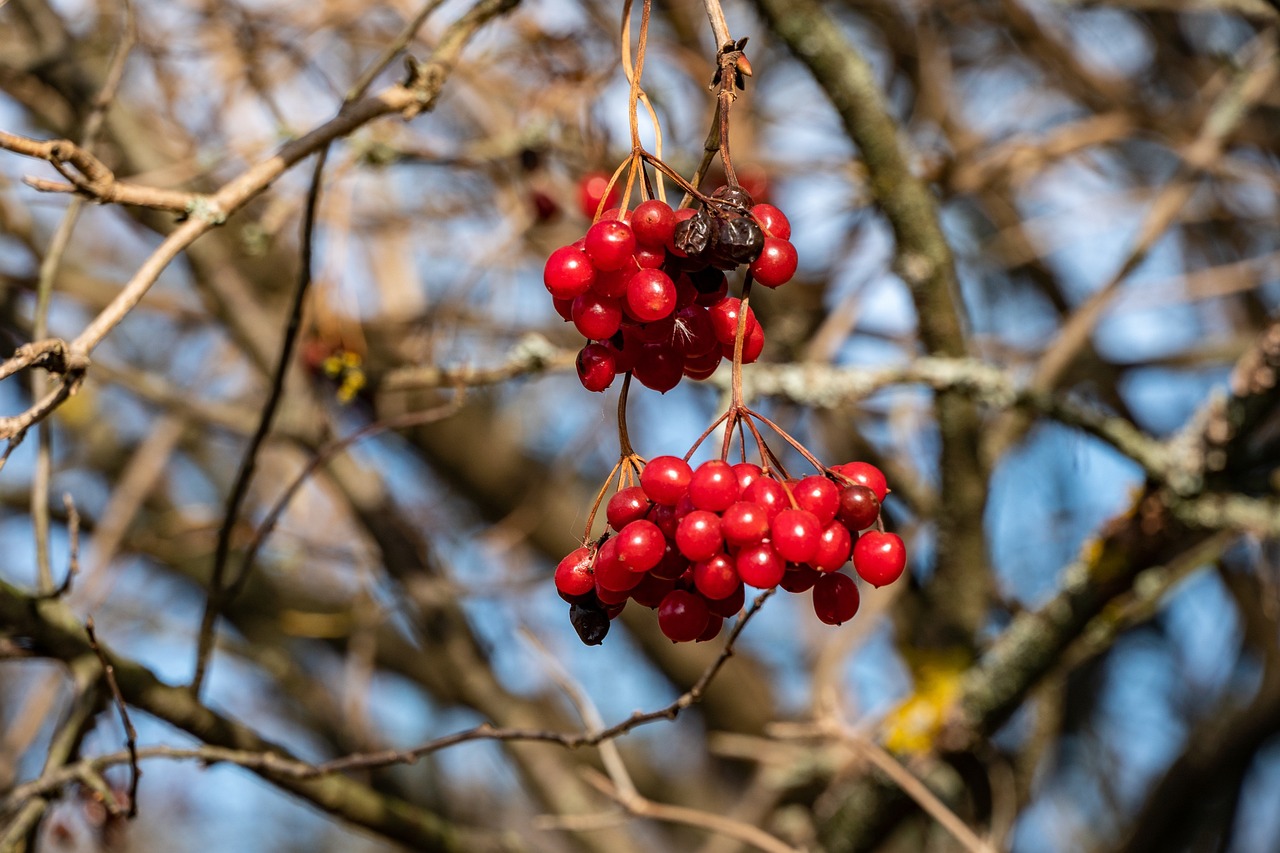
(217, 591)
(130, 733)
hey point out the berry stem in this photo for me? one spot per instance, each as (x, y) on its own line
(706, 433)
(595, 506)
(804, 451)
(624, 438)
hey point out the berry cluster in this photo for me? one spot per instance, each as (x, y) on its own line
(647, 287)
(687, 541)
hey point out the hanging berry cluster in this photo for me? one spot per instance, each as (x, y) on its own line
(647, 287)
(688, 541)
(648, 290)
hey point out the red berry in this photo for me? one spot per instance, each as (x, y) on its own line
(591, 192)
(776, 264)
(659, 367)
(651, 590)
(698, 535)
(859, 508)
(699, 367)
(665, 479)
(564, 307)
(724, 319)
(730, 605)
(772, 221)
(573, 575)
(799, 578)
(744, 523)
(867, 475)
(715, 624)
(673, 564)
(834, 545)
(611, 573)
(768, 493)
(694, 334)
(614, 282)
(818, 495)
(835, 598)
(713, 486)
(879, 558)
(760, 566)
(596, 367)
(651, 295)
(650, 259)
(747, 473)
(610, 244)
(682, 616)
(608, 596)
(597, 317)
(716, 578)
(752, 344)
(640, 545)
(568, 273)
(665, 518)
(661, 331)
(654, 223)
(795, 534)
(626, 506)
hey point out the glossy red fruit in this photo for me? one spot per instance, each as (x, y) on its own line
(694, 334)
(666, 479)
(699, 367)
(610, 244)
(573, 575)
(596, 367)
(716, 578)
(673, 564)
(682, 616)
(859, 508)
(820, 496)
(799, 578)
(776, 264)
(795, 534)
(698, 535)
(650, 259)
(651, 295)
(564, 307)
(730, 605)
(747, 473)
(568, 273)
(626, 506)
(713, 486)
(835, 598)
(768, 493)
(834, 546)
(879, 558)
(744, 523)
(760, 566)
(614, 282)
(591, 189)
(610, 572)
(654, 223)
(865, 474)
(658, 367)
(772, 221)
(724, 318)
(640, 545)
(715, 624)
(596, 317)
(651, 590)
(752, 344)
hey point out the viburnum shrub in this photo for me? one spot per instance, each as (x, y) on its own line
(649, 289)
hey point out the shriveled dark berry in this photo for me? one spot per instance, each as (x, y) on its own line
(733, 195)
(591, 623)
(739, 240)
(694, 235)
